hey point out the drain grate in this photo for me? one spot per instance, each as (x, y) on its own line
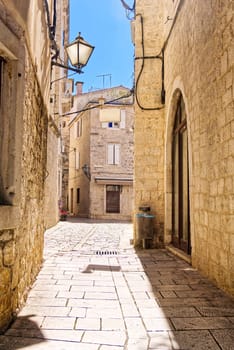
(106, 252)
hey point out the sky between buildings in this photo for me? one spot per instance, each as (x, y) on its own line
(103, 23)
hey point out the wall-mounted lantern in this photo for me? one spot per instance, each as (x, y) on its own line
(79, 52)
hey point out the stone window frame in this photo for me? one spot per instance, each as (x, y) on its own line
(12, 52)
(7, 132)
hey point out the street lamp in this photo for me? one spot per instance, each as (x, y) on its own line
(79, 52)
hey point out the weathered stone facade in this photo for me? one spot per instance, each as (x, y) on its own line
(55, 171)
(191, 44)
(25, 75)
(93, 144)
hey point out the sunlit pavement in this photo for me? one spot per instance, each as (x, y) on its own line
(95, 292)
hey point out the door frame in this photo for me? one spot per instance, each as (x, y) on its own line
(179, 187)
(173, 98)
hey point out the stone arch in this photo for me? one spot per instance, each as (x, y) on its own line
(177, 91)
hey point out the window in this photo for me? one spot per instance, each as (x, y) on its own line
(71, 200)
(2, 199)
(1, 79)
(117, 124)
(77, 159)
(122, 118)
(113, 199)
(113, 125)
(78, 128)
(113, 154)
(77, 195)
(7, 130)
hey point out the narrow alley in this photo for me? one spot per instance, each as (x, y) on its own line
(96, 292)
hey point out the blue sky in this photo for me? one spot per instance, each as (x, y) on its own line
(103, 23)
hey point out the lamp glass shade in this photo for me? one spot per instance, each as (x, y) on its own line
(79, 52)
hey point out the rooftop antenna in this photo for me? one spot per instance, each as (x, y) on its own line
(103, 79)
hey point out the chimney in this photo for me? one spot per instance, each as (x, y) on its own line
(79, 86)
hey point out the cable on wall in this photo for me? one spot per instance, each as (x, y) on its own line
(160, 56)
(129, 10)
(99, 105)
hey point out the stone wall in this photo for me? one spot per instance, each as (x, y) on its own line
(197, 37)
(149, 130)
(203, 70)
(22, 222)
(21, 246)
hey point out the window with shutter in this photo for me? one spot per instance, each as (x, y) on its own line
(110, 154)
(122, 119)
(77, 159)
(113, 153)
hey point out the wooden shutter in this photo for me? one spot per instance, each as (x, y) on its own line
(123, 119)
(77, 160)
(117, 154)
(110, 153)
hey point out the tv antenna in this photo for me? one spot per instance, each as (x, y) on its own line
(103, 76)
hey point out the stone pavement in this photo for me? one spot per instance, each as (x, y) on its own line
(95, 292)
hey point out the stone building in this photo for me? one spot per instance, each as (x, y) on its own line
(184, 129)
(60, 101)
(101, 154)
(28, 143)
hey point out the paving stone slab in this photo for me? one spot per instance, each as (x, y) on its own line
(13, 343)
(41, 287)
(224, 337)
(158, 324)
(160, 340)
(184, 302)
(103, 313)
(112, 324)
(116, 338)
(45, 311)
(92, 324)
(46, 301)
(28, 322)
(49, 334)
(107, 347)
(137, 343)
(201, 323)
(58, 323)
(167, 312)
(216, 311)
(195, 340)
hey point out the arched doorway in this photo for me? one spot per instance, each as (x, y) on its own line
(180, 181)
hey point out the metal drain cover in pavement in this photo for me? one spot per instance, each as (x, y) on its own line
(106, 252)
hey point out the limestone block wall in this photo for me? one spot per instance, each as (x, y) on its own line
(21, 243)
(79, 155)
(149, 129)
(52, 182)
(199, 63)
(22, 221)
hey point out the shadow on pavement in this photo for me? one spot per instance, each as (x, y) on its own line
(94, 267)
(24, 332)
(76, 219)
(184, 309)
